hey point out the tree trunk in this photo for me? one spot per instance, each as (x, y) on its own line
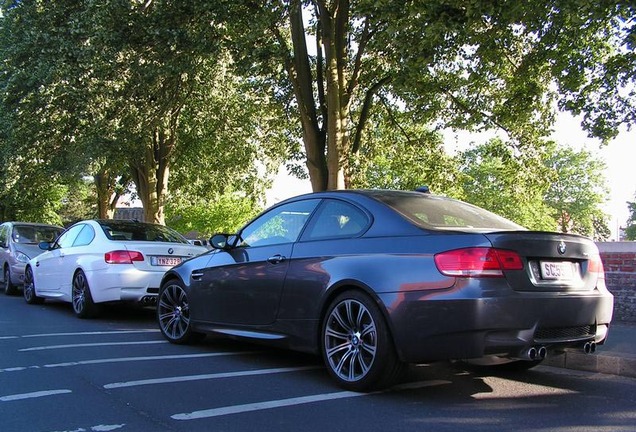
(151, 174)
(107, 195)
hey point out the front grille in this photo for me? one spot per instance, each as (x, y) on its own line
(565, 333)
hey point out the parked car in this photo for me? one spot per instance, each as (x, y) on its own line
(100, 261)
(375, 279)
(18, 244)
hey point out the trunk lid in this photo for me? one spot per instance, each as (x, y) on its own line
(552, 261)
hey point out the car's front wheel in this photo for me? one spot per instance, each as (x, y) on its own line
(9, 288)
(357, 345)
(81, 297)
(173, 314)
(28, 290)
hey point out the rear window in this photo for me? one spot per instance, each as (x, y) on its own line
(33, 234)
(435, 212)
(138, 231)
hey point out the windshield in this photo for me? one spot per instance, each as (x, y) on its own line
(435, 212)
(138, 231)
(33, 234)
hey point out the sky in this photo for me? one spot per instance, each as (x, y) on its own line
(619, 156)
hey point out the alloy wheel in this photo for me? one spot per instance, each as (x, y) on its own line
(350, 340)
(78, 295)
(173, 313)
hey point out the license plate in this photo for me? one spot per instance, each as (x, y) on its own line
(165, 261)
(557, 270)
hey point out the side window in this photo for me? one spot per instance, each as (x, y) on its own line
(4, 231)
(337, 219)
(85, 236)
(280, 225)
(68, 238)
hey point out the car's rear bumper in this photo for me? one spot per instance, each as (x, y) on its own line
(426, 328)
(17, 273)
(129, 285)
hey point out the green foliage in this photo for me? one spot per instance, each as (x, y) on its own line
(79, 202)
(577, 191)
(558, 189)
(630, 229)
(406, 158)
(225, 213)
(497, 179)
(139, 89)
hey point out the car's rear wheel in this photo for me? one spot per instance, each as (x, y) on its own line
(81, 297)
(28, 290)
(173, 314)
(9, 288)
(358, 348)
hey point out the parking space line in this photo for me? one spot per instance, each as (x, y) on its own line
(208, 376)
(258, 406)
(129, 359)
(90, 333)
(50, 347)
(33, 395)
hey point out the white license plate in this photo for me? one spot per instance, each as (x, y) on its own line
(557, 270)
(165, 261)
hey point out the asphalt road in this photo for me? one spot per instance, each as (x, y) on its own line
(116, 373)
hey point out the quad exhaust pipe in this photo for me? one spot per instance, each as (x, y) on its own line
(535, 353)
(148, 301)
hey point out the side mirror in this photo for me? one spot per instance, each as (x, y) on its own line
(44, 245)
(220, 241)
(196, 242)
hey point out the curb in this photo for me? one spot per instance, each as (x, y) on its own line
(604, 362)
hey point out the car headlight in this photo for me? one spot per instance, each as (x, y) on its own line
(22, 257)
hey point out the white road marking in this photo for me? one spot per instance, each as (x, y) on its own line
(81, 333)
(128, 359)
(33, 395)
(50, 347)
(208, 376)
(258, 406)
(91, 333)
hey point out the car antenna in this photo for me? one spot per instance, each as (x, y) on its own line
(423, 189)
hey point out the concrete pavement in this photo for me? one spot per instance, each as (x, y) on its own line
(617, 356)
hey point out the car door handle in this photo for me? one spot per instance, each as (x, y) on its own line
(276, 259)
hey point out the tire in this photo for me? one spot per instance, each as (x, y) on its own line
(9, 288)
(28, 291)
(357, 346)
(81, 298)
(173, 314)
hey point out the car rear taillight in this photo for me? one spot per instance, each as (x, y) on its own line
(477, 262)
(596, 266)
(122, 257)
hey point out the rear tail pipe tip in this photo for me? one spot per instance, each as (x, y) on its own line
(589, 347)
(536, 353)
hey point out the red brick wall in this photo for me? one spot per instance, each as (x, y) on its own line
(619, 261)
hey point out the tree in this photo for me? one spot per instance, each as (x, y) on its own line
(494, 177)
(115, 89)
(225, 213)
(406, 160)
(557, 189)
(468, 65)
(576, 192)
(630, 230)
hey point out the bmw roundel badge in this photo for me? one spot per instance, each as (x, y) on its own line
(561, 248)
